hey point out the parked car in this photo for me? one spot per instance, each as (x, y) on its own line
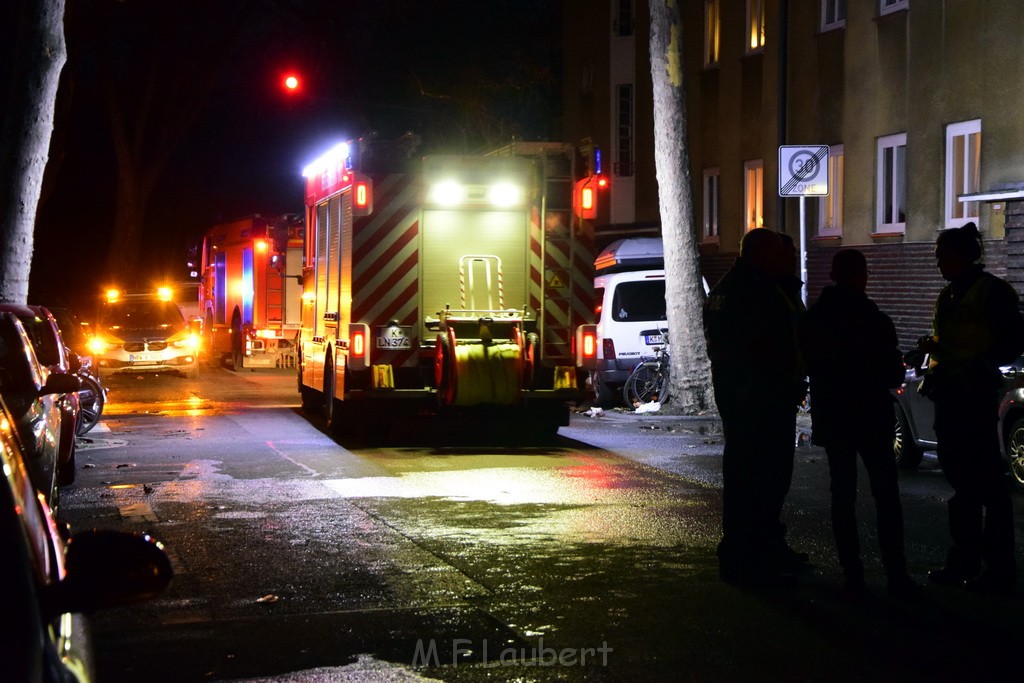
(31, 393)
(48, 583)
(92, 397)
(55, 356)
(914, 423)
(144, 333)
(630, 312)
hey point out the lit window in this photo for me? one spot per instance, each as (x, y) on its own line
(712, 22)
(753, 194)
(888, 6)
(830, 211)
(833, 14)
(963, 171)
(711, 194)
(755, 25)
(892, 183)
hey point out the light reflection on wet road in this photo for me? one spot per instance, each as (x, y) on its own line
(293, 552)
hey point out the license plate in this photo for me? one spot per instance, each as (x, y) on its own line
(142, 358)
(394, 337)
(652, 339)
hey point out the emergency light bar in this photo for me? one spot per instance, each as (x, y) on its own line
(336, 156)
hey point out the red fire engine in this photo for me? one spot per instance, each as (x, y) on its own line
(250, 297)
(453, 284)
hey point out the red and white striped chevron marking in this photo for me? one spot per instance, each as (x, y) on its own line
(385, 264)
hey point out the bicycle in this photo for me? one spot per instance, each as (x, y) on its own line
(649, 380)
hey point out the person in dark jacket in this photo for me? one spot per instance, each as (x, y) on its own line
(977, 328)
(758, 382)
(853, 360)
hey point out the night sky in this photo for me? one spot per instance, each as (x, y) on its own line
(462, 74)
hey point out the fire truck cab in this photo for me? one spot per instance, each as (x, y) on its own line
(250, 294)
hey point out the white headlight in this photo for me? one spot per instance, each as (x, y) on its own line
(504, 194)
(447, 193)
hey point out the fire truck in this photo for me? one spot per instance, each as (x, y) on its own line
(445, 285)
(250, 298)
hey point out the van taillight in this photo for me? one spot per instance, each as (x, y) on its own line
(608, 347)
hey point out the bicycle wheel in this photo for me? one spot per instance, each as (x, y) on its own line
(648, 382)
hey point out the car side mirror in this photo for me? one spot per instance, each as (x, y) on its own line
(61, 383)
(109, 568)
(74, 360)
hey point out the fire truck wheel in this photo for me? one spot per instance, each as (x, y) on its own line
(312, 401)
(332, 406)
(237, 342)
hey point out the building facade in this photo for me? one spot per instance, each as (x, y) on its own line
(915, 99)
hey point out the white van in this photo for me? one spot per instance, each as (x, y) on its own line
(630, 311)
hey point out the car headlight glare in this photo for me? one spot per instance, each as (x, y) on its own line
(97, 345)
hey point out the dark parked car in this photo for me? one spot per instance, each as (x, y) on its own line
(915, 418)
(47, 583)
(54, 354)
(32, 393)
(92, 397)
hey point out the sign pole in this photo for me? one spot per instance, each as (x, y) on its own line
(803, 249)
(803, 172)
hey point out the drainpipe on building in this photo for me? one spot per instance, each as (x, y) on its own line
(783, 96)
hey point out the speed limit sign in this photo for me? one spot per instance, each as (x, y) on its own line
(803, 171)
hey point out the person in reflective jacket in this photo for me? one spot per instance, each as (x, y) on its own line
(750, 330)
(853, 359)
(977, 327)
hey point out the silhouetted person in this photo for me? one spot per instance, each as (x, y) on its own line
(977, 327)
(751, 335)
(789, 279)
(853, 360)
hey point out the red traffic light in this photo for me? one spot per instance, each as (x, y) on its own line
(291, 83)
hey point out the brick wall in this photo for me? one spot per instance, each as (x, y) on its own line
(1014, 244)
(714, 265)
(904, 280)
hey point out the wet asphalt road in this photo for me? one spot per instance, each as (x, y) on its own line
(298, 558)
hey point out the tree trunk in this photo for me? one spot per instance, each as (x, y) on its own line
(25, 138)
(690, 374)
